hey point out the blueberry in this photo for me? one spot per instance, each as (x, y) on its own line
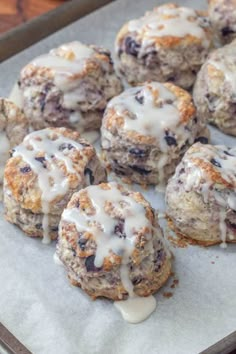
(139, 98)
(136, 280)
(82, 243)
(65, 146)
(19, 83)
(87, 171)
(170, 140)
(42, 160)
(226, 31)
(89, 264)
(38, 226)
(131, 47)
(195, 120)
(215, 163)
(140, 170)
(202, 140)
(25, 169)
(138, 152)
(228, 153)
(54, 228)
(119, 229)
(181, 171)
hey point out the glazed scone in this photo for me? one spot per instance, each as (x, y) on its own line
(214, 91)
(222, 14)
(147, 129)
(111, 244)
(13, 128)
(169, 43)
(69, 87)
(41, 176)
(201, 196)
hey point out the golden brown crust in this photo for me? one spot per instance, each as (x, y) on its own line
(210, 171)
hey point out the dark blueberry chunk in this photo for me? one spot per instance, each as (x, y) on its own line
(195, 120)
(89, 264)
(226, 31)
(137, 280)
(202, 140)
(84, 144)
(82, 243)
(25, 169)
(42, 160)
(38, 226)
(131, 47)
(42, 103)
(181, 171)
(215, 163)
(138, 152)
(119, 229)
(19, 83)
(228, 153)
(168, 101)
(54, 228)
(140, 170)
(139, 97)
(170, 140)
(88, 172)
(65, 146)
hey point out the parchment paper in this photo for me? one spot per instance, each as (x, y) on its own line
(49, 316)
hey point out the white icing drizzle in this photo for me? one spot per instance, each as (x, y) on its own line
(102, 226)
(4, 152)
(166, 21)
(51, 180)
(155, 116)
(199, 180)
(65, 62)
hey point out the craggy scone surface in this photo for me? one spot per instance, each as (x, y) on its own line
(111, 244)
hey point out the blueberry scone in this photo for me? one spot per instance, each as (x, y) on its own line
(13, 128)
(70, 86)
(41, 176)
(169, 43)
(111, 244)
(215, 89)
(201, 196)
(222, 14)
(147, 129)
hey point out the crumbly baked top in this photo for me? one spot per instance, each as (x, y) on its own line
(45, 166)
(152, 113)
(168, 25)
(119, 221)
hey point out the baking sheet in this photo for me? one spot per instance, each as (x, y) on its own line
(50, 316)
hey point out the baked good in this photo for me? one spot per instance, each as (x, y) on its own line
(13, 128)
(70, 86)
(41, 176)
(111, 244)
(169, 43)
(147, 129)
(201, 196)
(215, 89)
(222, 14)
